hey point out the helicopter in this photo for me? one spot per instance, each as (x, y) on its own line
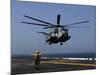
(59, 33)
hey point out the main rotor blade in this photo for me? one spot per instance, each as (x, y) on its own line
(43, 33)
(58, 19)
(34, 24)
(38, 20)
(77, 26)
(49, 27)
(77, 23)
(67, 27)
(56, 26)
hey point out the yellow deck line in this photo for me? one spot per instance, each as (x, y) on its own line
(79, 64)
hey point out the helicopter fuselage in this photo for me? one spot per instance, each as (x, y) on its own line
(58, 35)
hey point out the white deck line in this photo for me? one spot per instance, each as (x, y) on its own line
(64, 58)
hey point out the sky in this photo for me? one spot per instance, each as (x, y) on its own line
(25, 39)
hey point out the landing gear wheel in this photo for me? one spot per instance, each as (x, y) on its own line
(49, 43)
(61, 43)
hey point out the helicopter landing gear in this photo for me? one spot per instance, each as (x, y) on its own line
(61, 43)
(49, 43)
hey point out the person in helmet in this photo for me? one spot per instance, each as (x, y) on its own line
(37, 59)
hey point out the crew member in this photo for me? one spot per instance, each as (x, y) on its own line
(37, 59)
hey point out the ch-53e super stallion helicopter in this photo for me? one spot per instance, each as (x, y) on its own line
(59, 33)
